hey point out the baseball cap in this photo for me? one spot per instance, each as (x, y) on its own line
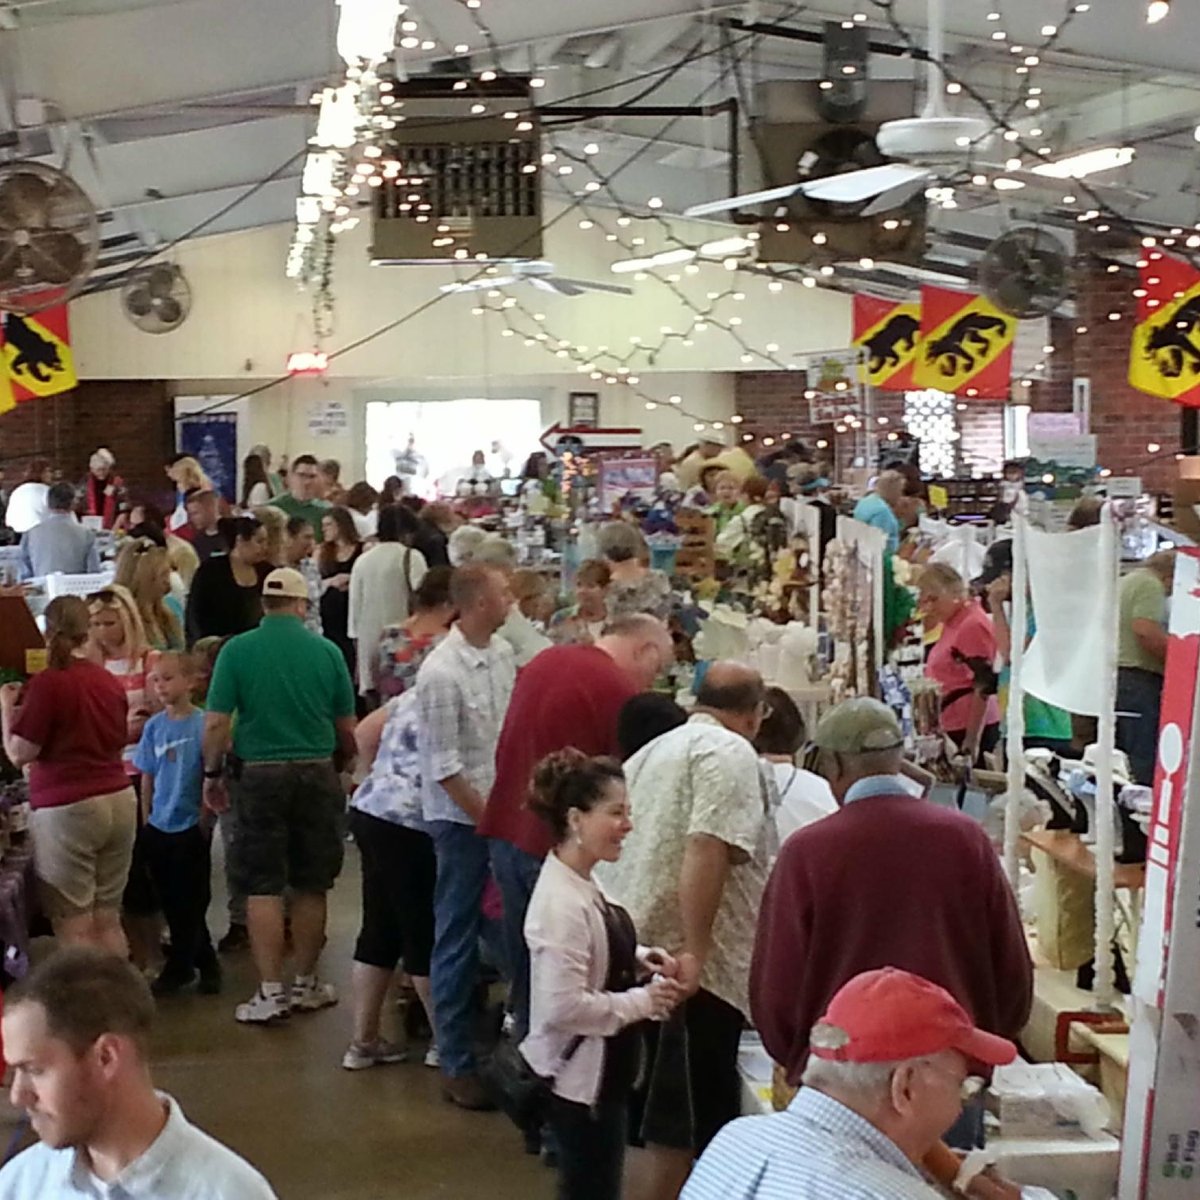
(996, 562)
(283, 581)
(891, 1015)
(859, 726)
(718, 437)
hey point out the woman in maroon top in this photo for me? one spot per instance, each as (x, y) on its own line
(68, 725)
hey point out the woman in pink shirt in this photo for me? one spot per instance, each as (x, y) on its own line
(962, 660)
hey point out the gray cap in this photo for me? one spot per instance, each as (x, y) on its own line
(859, 726)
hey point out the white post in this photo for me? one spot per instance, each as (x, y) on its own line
(1018, 623)
(1106, 741)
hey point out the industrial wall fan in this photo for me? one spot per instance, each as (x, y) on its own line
(539, 274)
(925, 145)
(158, 298)
(49, 236)
(1025, 272)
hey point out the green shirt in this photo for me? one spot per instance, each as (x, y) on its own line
(1142, 597)
(311, 510)
(287, 686)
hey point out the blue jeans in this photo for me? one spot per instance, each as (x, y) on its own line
(462, 866)
(516, 874)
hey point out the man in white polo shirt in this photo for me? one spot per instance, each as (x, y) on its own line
(75, 1035)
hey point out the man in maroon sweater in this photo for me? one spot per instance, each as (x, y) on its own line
(888, 880)
(566, 696)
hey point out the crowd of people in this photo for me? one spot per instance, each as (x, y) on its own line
(523, 805)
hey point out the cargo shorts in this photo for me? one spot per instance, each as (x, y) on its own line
(290, 827)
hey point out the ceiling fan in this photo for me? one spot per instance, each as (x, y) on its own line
(926, 145)
(539, 274)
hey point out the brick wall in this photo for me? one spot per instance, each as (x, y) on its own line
(772, 403)
(1125, 420)
(131, 417)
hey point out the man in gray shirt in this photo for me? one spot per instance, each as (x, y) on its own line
(58, 542)
(75, 1037)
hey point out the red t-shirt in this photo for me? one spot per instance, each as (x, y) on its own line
(969, 632)
(78, 717)
(567, 696)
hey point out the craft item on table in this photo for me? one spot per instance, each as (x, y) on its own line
(1046, 1100)
(927, 707)
(724, 634)
(1033, 813)
(895, 693)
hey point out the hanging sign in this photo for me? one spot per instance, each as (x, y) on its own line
(1164, 359)
(889, 334)
(37, 358)
(583, 438)
(966, 345)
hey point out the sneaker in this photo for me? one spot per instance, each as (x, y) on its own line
(238, 938)
(432, 1057)
(380, 1052)
(309, 995)
(170, 981)
(263, 1008)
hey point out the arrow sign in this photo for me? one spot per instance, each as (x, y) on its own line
(593, 439)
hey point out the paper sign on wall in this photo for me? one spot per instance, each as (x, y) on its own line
(328, 418)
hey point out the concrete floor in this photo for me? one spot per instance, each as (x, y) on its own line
(280, 1098)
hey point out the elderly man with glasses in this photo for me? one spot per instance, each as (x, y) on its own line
(889, 878)
(890, 1065)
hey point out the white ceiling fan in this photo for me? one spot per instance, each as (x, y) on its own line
(539, 274)
(925, 144)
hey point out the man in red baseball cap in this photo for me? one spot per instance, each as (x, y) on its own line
(890, 1064)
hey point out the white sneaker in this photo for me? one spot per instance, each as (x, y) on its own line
(432, 1057)
(309, 995)
(374, 1054)
(263, 1008)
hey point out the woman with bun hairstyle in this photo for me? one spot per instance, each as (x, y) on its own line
(226, 595)
(591, 984)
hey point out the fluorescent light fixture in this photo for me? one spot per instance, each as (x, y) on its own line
(667, 258)
(367, 29)
(1156, 10)
(627, 266)
(1088, 162)
(724, 246)
(1004, 184)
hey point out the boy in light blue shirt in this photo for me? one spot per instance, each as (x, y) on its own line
(176, 836)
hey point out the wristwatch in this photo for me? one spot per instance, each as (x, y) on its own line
(214, 774)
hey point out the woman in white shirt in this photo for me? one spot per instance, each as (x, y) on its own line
(590, 983)
(804, 797)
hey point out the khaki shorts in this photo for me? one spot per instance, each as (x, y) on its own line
(81, 852)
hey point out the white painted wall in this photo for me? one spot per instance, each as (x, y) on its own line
(247, 317)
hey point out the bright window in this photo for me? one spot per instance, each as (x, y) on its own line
(432, 441)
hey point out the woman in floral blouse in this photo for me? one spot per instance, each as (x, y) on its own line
(402, 648)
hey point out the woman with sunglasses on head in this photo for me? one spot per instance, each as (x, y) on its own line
(68, 725)
(226, 595)
(591, 984)
(144, 567)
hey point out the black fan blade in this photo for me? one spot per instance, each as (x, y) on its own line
(23, 201)
(139, 302)
(168, 309)
(55, 257)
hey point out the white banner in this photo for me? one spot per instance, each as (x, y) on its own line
(1070, 577)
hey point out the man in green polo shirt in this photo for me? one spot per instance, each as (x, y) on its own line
(302, 499)
(294, 702)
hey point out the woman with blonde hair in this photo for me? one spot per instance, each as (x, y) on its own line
(117, 641)
(188, 476)
(68, 726)
(275, 522)
(144, 567)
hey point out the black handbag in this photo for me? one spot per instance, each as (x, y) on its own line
(517, 1089)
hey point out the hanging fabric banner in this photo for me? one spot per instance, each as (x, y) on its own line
(1164, 359)
(37, 356)
(889, 331)
(966, 345)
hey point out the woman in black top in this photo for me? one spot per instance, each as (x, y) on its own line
(339, 551)
(226, 595)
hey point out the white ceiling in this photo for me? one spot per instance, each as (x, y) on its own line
(170, 111)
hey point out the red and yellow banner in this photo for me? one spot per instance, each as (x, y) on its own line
(1164, 359)
(35, 352)
(889, 332)
(966, 345)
